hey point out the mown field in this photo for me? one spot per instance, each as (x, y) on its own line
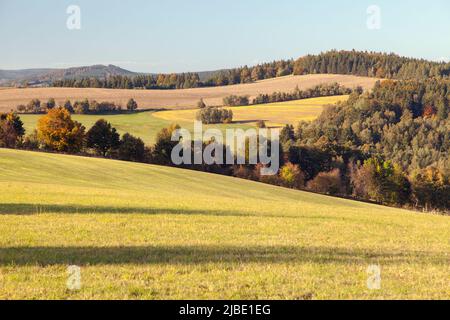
(146, 232)
(146, 125)
(274, 114)
(177, 99)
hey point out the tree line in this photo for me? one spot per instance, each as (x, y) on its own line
(359, 63)
(243, 74)
(371, 64)
(35, 106)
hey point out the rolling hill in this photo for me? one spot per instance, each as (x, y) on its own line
(146, 232)
(177, 99)
(146, 125)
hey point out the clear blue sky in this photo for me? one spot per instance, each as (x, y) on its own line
(195, 35)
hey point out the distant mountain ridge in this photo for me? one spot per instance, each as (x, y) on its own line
(45, 76)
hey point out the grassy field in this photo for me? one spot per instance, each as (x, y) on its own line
(147, 232)
(147, 124)
(177, 99)
(275, 114)
(144, 124)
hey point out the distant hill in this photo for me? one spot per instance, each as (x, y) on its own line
(42, 77)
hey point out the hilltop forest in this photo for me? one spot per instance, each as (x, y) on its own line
(367, 64)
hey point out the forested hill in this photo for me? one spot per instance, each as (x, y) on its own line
(391, 144)
(371, 64)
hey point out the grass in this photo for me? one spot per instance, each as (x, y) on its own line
(143, 124)
(147, 232)
(275, 114)
(147, 124)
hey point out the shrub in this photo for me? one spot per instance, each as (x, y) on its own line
(31, 141)
(132, 105)
(261, 124)
(327, 183)
(201, 104)
(291, 176)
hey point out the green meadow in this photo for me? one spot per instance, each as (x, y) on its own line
(140, 231)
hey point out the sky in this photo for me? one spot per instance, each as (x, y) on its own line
(199, 35)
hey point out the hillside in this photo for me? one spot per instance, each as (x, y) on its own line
(178, 99)
(140, 231)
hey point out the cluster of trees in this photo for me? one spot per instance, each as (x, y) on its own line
(235, 101)
(79, 107)
(370, 64)
(212, 115)
(323, 90)
(58, 132)
(161, 81)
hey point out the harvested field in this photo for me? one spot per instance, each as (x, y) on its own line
(177, 99)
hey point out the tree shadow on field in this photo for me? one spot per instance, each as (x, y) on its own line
(34, 209)
(195, 255)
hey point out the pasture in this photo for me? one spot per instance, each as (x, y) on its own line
(147, 232)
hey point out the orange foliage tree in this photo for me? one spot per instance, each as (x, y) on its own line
(57, 131)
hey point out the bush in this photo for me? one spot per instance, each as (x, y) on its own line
(132, 105)
(261, 124)
(31, 141)
(201, 104)
(291, 176)
(327, 183)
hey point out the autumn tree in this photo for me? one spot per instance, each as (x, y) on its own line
(11, 130)
(327, 183)
(57, 131)
(291, 176)
(103, 138)
(132, 105)
(162, 150)
(131, 148)
(50, 103)
(431, 189)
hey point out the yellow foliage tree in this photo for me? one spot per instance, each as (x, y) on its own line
(57, 131)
